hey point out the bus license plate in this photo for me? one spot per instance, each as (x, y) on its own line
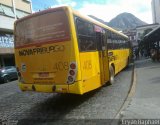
(43, 74)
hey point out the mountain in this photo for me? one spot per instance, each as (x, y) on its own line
(125, 21)
(122, 21)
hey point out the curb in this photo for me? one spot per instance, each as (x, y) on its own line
(131, 93)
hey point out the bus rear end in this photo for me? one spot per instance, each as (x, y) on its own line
(46, 56)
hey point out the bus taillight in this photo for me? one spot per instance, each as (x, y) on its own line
(72, 73)
(70, 79)
(73, 66)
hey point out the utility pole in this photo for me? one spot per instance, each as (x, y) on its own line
(31, 6)
(14, 9)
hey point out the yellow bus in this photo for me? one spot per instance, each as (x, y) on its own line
(60, 50)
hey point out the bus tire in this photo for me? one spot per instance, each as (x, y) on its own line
(128, 62)
(111, 75)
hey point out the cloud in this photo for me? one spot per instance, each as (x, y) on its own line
(139, 8)
(73, 4)
(67, 2)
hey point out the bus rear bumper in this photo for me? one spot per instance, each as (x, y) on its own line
(74, 88)
(44, 88)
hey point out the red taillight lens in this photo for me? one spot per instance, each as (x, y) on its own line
(73, 66)
(71, 72)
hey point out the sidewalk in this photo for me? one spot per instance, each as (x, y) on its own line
(145, 103)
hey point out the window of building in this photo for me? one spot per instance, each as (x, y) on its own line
(20, 14)
(6, 41)
(7, 11)
(28, 1)
(1, 10)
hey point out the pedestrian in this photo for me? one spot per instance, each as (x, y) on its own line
(153, 54)
(142, 52)
(137, 53)
(145, 53)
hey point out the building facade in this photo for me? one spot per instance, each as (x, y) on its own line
(137, 34)
(155, 4)
(10, 10)
(143, 30)
(131, 33)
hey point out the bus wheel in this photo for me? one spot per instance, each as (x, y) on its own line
(111, 77)
(128, 62)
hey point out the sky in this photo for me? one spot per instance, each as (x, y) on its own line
(103, 9)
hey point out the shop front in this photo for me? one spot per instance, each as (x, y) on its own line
(6, 49)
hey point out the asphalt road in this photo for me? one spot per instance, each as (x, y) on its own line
(43, 108)
(145, 103)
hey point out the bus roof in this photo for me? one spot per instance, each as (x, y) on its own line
(75, 13)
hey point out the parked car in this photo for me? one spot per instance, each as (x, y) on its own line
(7, 74)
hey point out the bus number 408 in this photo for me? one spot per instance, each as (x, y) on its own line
(60, 66)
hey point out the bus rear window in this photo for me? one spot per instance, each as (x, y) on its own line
(52, 26)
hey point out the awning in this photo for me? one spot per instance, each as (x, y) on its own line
(153, 36)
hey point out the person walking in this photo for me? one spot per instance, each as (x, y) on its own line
(137, 53)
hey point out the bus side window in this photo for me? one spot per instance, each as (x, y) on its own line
(100, 38)
(81, 27)
(109, 40)
(106, 39)
(113, 41)
(122, 43)
(85, 35)
(118, 41)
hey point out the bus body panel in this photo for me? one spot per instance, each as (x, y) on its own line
(90, 69)
(47, 88)
(48, 64)
(55, 64)
(119, 59)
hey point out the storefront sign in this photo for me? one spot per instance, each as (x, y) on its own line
(6, 41)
